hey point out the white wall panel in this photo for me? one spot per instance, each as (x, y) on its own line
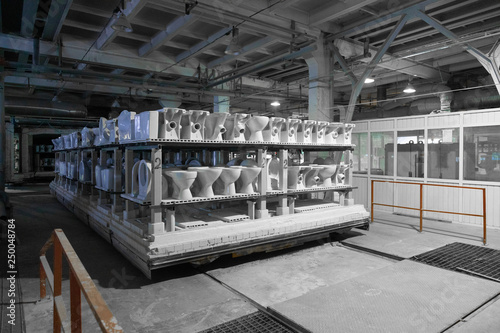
(444, 121)
(408, 196)
(482, 118)
(361, 126)
(410, 123)
(381, 125)
(443, 199)
(361, 193)
(383, 193)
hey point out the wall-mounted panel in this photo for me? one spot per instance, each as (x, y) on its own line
(452, 120)
(380, 125)
(411, 123)
(482, 118)
(361, 126)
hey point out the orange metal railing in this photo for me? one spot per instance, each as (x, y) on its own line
(80, 282)
(422, 210)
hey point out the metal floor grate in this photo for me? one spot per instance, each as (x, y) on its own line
(257, 322)
(466, 258)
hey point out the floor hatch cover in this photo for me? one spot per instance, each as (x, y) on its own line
(470, 259)
(257, 322)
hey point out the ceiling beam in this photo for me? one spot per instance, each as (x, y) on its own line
(30, 8)
(131, 10)
(55, 18)
(160, 38)
(335, 9)
(252, 47)
(76, 50)
(211, 40)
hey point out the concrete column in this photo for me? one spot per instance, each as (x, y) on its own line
(221, 104)
(320, 88)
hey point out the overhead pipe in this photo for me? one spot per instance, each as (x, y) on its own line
(35, 107)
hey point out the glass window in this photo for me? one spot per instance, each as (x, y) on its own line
(382, 156)
(360, 154)
(411, 153)
(443, 152)
(482, 153)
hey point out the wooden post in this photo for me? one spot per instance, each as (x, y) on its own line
(156, 225)
(484, 216)
(43, 282)
(57, 280)
(76, 303)
(421, 204)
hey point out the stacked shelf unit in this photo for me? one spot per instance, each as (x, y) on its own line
(163, 231)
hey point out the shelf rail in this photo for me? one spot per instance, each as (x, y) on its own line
(80, 282)
(422, 210)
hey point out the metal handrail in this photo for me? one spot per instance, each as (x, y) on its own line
(422, 210)
(80, 282)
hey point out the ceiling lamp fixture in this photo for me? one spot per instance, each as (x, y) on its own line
(275, 103)
(115, 103)
(409, 89)
(121, 23)
(369, 80)
(234, 47)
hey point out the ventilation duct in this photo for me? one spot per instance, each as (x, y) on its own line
(15, 106)
(443, 94)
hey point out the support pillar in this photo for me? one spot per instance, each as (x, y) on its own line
(320, 83)
(221, 104)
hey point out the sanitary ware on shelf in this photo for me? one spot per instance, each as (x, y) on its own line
(273, 167)
(108, 131)
(72, 170)
(108, 178)
(87, 137)
(249, 172)
(305, 131)
(76, 140)
(340, 177)
(255, 126)
(146, 125)
(228, 177)
(296, 177)
(289, 130)
(58, 143)
(84, 172)
(97, 138)
(126, 126)
(214, 126)
(205, 178)
(169, 123)
(332, 133)
(181, 180)
(318, 135)
(193, 124)
(235, 125)
(311, 178)
(345, 134)
(273, 129)
(67, 141)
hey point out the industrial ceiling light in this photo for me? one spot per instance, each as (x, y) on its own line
(234, 47)
(409, 89)
(121, 23)
(115, 104)
(275, 103)
(369, 80)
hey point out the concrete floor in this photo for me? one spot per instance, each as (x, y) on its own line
(183, 299)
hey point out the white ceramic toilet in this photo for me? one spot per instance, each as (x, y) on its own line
(272, 131)
(255, 126)
(126, 128)
(57, 143)
(318, 135)
(73, 171)
(247, 178)
(146, 125)
(345, 134)
(311, 178)
(83, 172)
(340, 177)
(181, 182)
(326, 174)
(295, 177)
(214, 126)
(76, 140)
(135, 179)
(193, 124)
(228, 177)
(273, 173)
(332, 133)
(305, 131)
(104, 132)
(98, 179)
(67, 141)
(87, 137)
(97, 139)
(289, 131)
(144, 180)
(169, 123)
(235, 125)
(205, 178)
(107, 178)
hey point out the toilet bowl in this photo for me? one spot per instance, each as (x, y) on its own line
(58, 143)
(73, 171)
(97, 139)
(146, 125)
(98, 178)
(67, 141)
(126, 128)
(84, 172)
(235, 125)
(204, 179)
(247, 178)
(169, 123)
(181, 182)
(326, 174)
(332, 133)
(228, 177)
(56, 167)
(255, 126)
(76, 140)
(311, 178)
(340, 177)
(193, 124)
(273, 173)
(295, 177)
(319, 132)
(107, 178)
(135, 179)
(345, 134)
(104, 132)
(214, 126)
(305, 131)
(62, 168)
(87, 137)
(289, 131)
(143, 180)
(272, 131)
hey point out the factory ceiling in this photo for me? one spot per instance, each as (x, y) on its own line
(176, 51)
